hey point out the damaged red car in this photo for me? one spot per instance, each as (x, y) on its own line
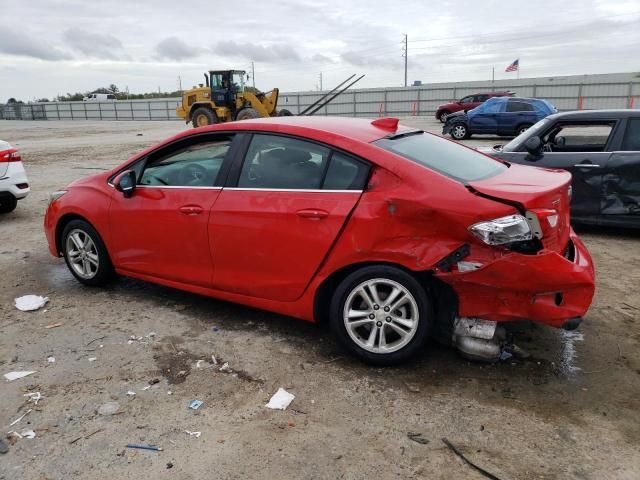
(390, 234)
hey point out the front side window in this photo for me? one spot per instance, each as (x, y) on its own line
(481, 98)
(577, 137)
(631, 141)
(197, 165)
(283, 163)
(468, 99)
(443, 156)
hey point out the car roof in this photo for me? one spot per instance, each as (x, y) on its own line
(361, 129)
(596, 114)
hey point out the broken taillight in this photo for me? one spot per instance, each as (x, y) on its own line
(10, 155)
(502, 231)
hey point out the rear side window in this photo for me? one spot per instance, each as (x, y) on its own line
(443, 156)
(515, 106)
(345, 173)
(631, 141)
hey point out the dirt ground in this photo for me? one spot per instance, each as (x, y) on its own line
(570, 411)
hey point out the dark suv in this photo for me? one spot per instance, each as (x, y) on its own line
(467, 103)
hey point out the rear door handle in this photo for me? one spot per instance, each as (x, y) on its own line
(191, 210)
(312, 213)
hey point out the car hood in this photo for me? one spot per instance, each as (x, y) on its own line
(542, 191)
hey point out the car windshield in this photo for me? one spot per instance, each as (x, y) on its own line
(443, 156)
(516, 144)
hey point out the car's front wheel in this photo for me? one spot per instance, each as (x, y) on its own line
(459, 131)
(85, 253)
(381, 314)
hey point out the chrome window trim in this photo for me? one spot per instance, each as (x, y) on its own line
(316, 190)
(179, 186)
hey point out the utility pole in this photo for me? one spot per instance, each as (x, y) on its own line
(320, 81)
(493, 75)
(405, 55)
(180, 83)
(253, 74)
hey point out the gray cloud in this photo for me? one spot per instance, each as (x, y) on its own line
(172, 48)
(22, 44)
(360, 60)
(277, 52)
(93, 44)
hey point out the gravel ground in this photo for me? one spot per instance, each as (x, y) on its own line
(570, 411)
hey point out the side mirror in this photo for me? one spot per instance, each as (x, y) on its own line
(533, 145)
(125, 182)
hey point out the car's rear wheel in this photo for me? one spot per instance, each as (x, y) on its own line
(522, 128)
(459, 131)
(443, 116)
(8, 203)
(202, 117)
(85, 253)
(381, 314)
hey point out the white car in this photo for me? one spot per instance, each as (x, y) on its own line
(14, 184)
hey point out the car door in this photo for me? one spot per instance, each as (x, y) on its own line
(467, 103)
(161, 230)
(621, 181)
(582, 149)
(285, 205)
(484, 119)
(516, 113)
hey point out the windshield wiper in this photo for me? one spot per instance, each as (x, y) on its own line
(394, 136)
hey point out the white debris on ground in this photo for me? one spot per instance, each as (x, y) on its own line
(28, 303)
(280, 400)
(51, 359)
(193, 434)
(11, 376)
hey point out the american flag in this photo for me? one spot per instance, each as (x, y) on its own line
(513, 67)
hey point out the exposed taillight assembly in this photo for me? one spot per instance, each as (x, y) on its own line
(10, 155)
(503, 230)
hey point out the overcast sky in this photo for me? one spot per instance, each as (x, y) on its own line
(50, 47)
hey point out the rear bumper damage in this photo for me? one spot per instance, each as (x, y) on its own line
(548, 288)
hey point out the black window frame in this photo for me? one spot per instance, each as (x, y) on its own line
(140, 164)
(626, 131)
(238, 162)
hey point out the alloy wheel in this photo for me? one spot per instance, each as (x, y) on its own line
(82, 253)
(381, 315)
(459, 131)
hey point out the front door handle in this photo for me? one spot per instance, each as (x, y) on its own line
(191, 210)
(586, 164)
(312, 213)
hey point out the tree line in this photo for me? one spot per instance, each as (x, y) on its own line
(112, 89)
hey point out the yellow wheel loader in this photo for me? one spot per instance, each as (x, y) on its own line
(225, 98)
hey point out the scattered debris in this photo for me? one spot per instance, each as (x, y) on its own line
(3, 447)
(504, 355)
(215, 329)
(213, 360)
(92, 359)
(95, 340)
(54, 325)
(11, 376)
(417, 437)
(225, 368)
(28, 303)
(198, 363)
(280, 400)
(34, 397)
(20, 418)
(153, 381)
(27, 434)
(131, 393)
(51, 359)
(147, 387)
(169, 392)
(467, 461)
(144, 447)
(412, 387)
(169, 465)
(109, 408)
(195, 404)
(139, 134)
(193, 434)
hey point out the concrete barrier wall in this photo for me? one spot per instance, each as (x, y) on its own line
(566, 93)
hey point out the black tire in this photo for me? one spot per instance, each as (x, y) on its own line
(104, 271)
(285, 113)
(348, 288)
(247, 114)
(522, 128)
(459, 131)
(8, 203)
(443, 116)
(201, 115)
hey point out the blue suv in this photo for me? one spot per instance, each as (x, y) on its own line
(507, 116)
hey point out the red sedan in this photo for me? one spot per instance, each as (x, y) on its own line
(388, 233)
